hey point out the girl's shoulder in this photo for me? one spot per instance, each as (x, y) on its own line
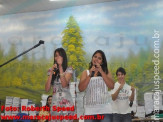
(69, 70)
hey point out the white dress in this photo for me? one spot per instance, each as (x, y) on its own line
(61, 98)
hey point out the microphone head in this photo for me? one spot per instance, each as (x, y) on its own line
(55, 71)
(92, 74)
(41, 42)
(131, 103)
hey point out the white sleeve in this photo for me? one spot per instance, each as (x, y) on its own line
(69, 70)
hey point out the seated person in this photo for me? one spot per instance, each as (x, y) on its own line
(46, 113)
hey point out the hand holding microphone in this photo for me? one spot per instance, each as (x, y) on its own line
(54, 72)
(55, 69)
(131, 103)
(99, 68)
(93, 70)
(133, 90)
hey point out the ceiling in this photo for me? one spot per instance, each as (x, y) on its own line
(22, 6)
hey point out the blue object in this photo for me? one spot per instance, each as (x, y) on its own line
(23, 118)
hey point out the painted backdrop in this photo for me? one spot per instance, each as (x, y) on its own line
(122, 29)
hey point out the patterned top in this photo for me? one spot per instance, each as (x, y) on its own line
(57, 87)
(97, 98)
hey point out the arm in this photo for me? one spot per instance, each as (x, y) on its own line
(115, 95)
(131, 98)
(84, 81)
(65, 78)
(48, 82)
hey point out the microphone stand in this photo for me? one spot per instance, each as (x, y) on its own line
(40, 42)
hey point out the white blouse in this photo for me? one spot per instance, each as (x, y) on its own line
(97, 98)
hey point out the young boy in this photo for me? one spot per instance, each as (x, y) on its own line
(122, 95)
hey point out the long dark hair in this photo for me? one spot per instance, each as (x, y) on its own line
(47, 100)
(62, 53)
(104, 62)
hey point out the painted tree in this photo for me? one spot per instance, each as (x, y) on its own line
(72, 42)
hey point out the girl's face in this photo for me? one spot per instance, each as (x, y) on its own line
(56, 56)
(49, 101)
(97, 59)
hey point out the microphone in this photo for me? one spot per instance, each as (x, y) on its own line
(55, 74)
(55, 70)
(40, 42)
(131, 103)
(93, 72)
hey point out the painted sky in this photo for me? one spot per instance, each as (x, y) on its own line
(114, 27)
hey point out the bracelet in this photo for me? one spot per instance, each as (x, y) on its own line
(62, 74)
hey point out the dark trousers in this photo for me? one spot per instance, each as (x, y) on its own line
(122, 117)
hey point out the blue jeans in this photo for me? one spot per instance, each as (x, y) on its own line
(122, 117)
(100, 118)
